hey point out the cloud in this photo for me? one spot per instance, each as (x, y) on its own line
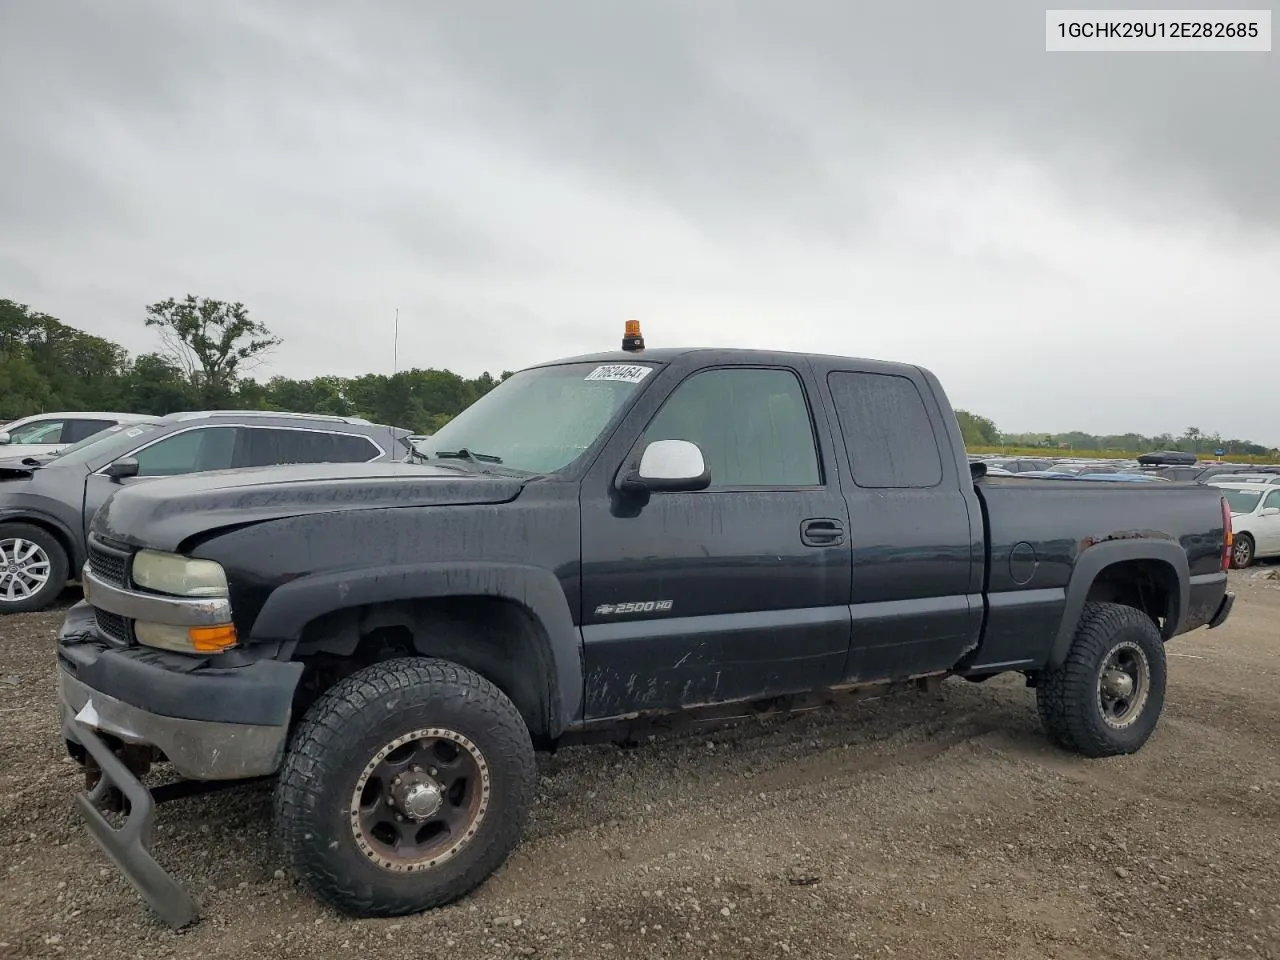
(1070, 241)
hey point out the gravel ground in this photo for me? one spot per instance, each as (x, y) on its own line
(920, 825)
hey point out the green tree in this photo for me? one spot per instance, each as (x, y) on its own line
(157, 386)
(977, 431)
(211, 341)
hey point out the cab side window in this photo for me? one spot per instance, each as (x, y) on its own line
(267, 446)
(192, 451)
(77, 430)
(887, 430)
(753, 426)
(40, 431)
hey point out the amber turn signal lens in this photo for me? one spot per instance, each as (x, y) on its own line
(212, 639)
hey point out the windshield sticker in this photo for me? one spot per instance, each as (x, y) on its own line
(624, 372)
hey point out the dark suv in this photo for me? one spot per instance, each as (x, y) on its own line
(47, 504)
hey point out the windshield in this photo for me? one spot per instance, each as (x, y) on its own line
(1242, 501)
(539, 420)
(107, 444)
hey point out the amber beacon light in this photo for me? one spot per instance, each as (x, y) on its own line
(631, 337)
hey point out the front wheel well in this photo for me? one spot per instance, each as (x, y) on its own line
(497, 638)
(1147, 585)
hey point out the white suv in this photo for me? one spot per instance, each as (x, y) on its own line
(49, 433)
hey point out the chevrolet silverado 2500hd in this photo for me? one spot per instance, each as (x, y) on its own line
(596, 541)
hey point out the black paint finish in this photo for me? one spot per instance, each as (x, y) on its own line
(893, 564)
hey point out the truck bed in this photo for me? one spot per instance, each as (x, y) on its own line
(1039, 537)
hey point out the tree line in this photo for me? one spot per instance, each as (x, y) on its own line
(981, 432)
(210, 348)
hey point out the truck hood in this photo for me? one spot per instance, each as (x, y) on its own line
(164, 512)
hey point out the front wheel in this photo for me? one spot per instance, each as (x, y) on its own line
(1106, 698)
(33, 568)
(406, 785)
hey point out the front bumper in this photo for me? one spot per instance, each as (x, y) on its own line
(197, 749)
(217, 720)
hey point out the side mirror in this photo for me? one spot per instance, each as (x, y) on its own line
(4, 436)
(668, 466)
(1270, 511)
(122, 469)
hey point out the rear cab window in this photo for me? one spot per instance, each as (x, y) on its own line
(887, 430)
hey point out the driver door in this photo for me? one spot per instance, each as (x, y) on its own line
(737, 591)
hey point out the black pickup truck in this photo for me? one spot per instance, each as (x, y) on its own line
(597, 542)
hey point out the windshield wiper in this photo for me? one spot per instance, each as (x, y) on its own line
(464, 454)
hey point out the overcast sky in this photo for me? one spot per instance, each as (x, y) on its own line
(1069, 241)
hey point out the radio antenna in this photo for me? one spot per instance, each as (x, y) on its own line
(395, 347)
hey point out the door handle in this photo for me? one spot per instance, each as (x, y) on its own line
(822, 532)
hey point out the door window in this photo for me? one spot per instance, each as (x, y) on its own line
(267, 446)
(40, 431)
(192, 451)
(1273, 500)
(753, 427)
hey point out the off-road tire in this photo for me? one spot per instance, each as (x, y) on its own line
(48, 594)
(347, 726)
(1068, 696)
(1241, 559)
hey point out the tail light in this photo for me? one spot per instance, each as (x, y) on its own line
(1226, 535)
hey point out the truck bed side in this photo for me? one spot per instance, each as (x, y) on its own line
(1052, 545)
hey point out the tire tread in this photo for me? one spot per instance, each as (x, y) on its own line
(308, 775)
(1066, 695)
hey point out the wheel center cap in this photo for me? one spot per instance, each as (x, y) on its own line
(421, 800)
(1117, 684)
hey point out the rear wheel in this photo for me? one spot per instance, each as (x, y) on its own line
(1242, 551)
(1106, 699)
(406, 785)
(33, 568)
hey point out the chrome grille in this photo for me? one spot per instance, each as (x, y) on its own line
(114, 627)
(107, 565)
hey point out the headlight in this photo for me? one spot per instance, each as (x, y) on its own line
(179, 576)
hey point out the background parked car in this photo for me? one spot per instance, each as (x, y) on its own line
(46, 506)
(50, 433)
(1272, 479)
(1255, 521)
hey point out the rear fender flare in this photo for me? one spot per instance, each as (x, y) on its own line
(293, 605)
(1093, 560)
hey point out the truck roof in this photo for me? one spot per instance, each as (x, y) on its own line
(721, 355)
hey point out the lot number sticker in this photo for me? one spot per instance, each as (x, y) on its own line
(624, 372)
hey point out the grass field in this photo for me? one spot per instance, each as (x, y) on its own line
(1101, 454)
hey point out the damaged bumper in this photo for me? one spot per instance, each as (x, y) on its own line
(129, 847)
(216, 725)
